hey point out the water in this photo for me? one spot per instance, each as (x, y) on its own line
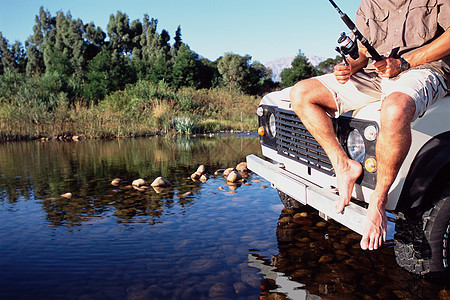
(191, 241)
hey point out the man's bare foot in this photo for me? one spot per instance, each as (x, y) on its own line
(346, 177)
(374, 234)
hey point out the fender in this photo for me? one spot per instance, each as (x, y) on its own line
(432, 158)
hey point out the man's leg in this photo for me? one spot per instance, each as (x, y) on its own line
(393, 144)
(311, 101)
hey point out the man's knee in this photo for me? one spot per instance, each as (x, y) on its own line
(397, 107)
(307, 92)
(299, 94)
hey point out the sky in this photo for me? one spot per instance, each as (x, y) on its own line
(265, 30)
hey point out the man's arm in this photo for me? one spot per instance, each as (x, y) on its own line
(342, 72)
(436, 50)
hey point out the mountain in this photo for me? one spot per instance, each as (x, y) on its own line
(285, 62)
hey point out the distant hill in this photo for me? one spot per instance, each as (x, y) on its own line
(285, 62)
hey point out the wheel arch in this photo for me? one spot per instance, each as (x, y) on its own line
(430, 169)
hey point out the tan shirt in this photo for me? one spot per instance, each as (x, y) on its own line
(407, 24)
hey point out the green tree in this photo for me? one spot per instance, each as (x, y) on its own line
(234, 70)
(177, 39)
(300, 69)
(107, 72)
(327, 66)
(119, 33)
(184, 68)
(7, 55)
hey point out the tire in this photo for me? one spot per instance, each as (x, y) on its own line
(422, 243)
(289, 202)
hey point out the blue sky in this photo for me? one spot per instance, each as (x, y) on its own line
(266, 30)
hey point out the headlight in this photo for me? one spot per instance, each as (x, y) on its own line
(370, 133)
(272, 126)
(355, 146)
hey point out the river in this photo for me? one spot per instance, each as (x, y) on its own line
(193, 240)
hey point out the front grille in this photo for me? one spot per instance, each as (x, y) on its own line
(295, 141)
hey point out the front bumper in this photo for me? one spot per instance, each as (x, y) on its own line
(306, 192)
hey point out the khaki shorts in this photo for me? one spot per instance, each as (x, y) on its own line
(424, 86)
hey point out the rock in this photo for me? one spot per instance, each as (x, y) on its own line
(186, 194)
(196, 176)
(220, 289)
(241, 288)
(158, 189)
(234, 176)
(217, 172)
(140, 188)
(301, 273)
(321, 224)
(228, 171)
(67, 195)
(116, 181)
(201, 169)
(264, 186)
(75, 138)
(353, 236)
(242, 167)
(326, 259)
(220, 188)
(161, 182)
(256, 180)
(203, 178)
(139, 182)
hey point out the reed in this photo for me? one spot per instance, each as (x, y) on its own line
(141, 109)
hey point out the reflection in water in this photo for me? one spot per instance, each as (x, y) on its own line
(47, 170)
(325, 259)
(193, 240)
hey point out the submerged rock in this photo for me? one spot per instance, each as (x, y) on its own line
(139, 182)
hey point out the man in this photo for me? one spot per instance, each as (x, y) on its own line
(407, 84)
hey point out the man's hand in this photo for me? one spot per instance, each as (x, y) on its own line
(342, 72)
(389, 67)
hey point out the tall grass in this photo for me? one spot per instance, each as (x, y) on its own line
(138, 110)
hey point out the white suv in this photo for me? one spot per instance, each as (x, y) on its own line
(297, 166)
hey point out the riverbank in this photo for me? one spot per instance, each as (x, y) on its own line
(142, 109)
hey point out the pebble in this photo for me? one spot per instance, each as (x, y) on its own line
(67, 195)
(116, 181)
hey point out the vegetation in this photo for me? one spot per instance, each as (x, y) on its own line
(73, 78)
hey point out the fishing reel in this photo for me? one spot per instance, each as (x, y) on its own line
(347, 47)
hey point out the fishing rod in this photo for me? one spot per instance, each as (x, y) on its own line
(349, 47)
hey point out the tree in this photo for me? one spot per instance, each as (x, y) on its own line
(234, 70)
(177, 39)
(327, 66)
(184, 68)
(119, 32)
(300, 69)
(107, 72)
(7, 55)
